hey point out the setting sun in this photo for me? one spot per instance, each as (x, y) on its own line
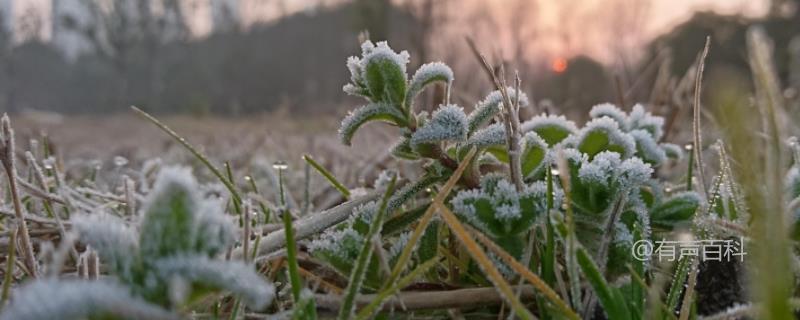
(559, 65)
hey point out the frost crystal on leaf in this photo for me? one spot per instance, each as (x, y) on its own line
(601, 169)
(170, 209)
(215, 231)
(641, 119)
(647, 148)
(448, 123)
(492, 135)
(74, 299)
(113, 240)
(553, 129)
(382, 50)
(604, 134)
(611, 111)
(672, 150)
(361, 115)
(427, 74)
(233, 276)
(486, 109)
(633, 172)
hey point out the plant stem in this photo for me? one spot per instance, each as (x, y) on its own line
(7, 158)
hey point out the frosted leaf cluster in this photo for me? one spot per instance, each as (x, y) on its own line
(370, 52)
(498, 209)
(180, 234)
(448, 123)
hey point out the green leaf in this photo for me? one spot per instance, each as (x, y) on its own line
(427, 74)
(603, 134)
(402, 149)
(168, 224)
(610, 298)
(429, 243)
(534, 149)
(551, 128)
(678, 209)
(385, 77)
(371, 112)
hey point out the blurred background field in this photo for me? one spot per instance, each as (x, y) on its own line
(273, 68)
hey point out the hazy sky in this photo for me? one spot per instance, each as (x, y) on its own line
(556, 27)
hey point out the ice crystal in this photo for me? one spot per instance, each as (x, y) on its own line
(486, 109)
(647, 148)
(361, 115)
(611, 111)
(75, 299)
(604, 134)
(233, 276)
(672, 150)
(426, 74)
(639, 118)
(448, 123)
(551, 128)
(492, 135)
(111, 237)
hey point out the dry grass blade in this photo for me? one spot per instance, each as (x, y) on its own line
(378, 300)
(510, 119)
(428, 300)
(686, 305)
(698, 139)
(7, 154)
(405, 255)
(525, 273)
(312, 224)
(482, 259)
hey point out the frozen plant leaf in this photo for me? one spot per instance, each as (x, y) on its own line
(402, 149)
(647, 149)
(498, 209)
(114, 241)
(491, 105)
(644, 120)
(385, 74)
(76, 299)
(611, 111)
(232, 276)
(534, 150)
(371, 112)
(215, 231)
(553, 129)
(677, 210)
(673, 151)
(603, 134)
(493, 135)
(169, 214)
(427, 74)
(448, 123)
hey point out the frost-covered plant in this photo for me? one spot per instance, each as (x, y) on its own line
(165, 263)
(497, 209)
(614, 197)
(340, 246)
